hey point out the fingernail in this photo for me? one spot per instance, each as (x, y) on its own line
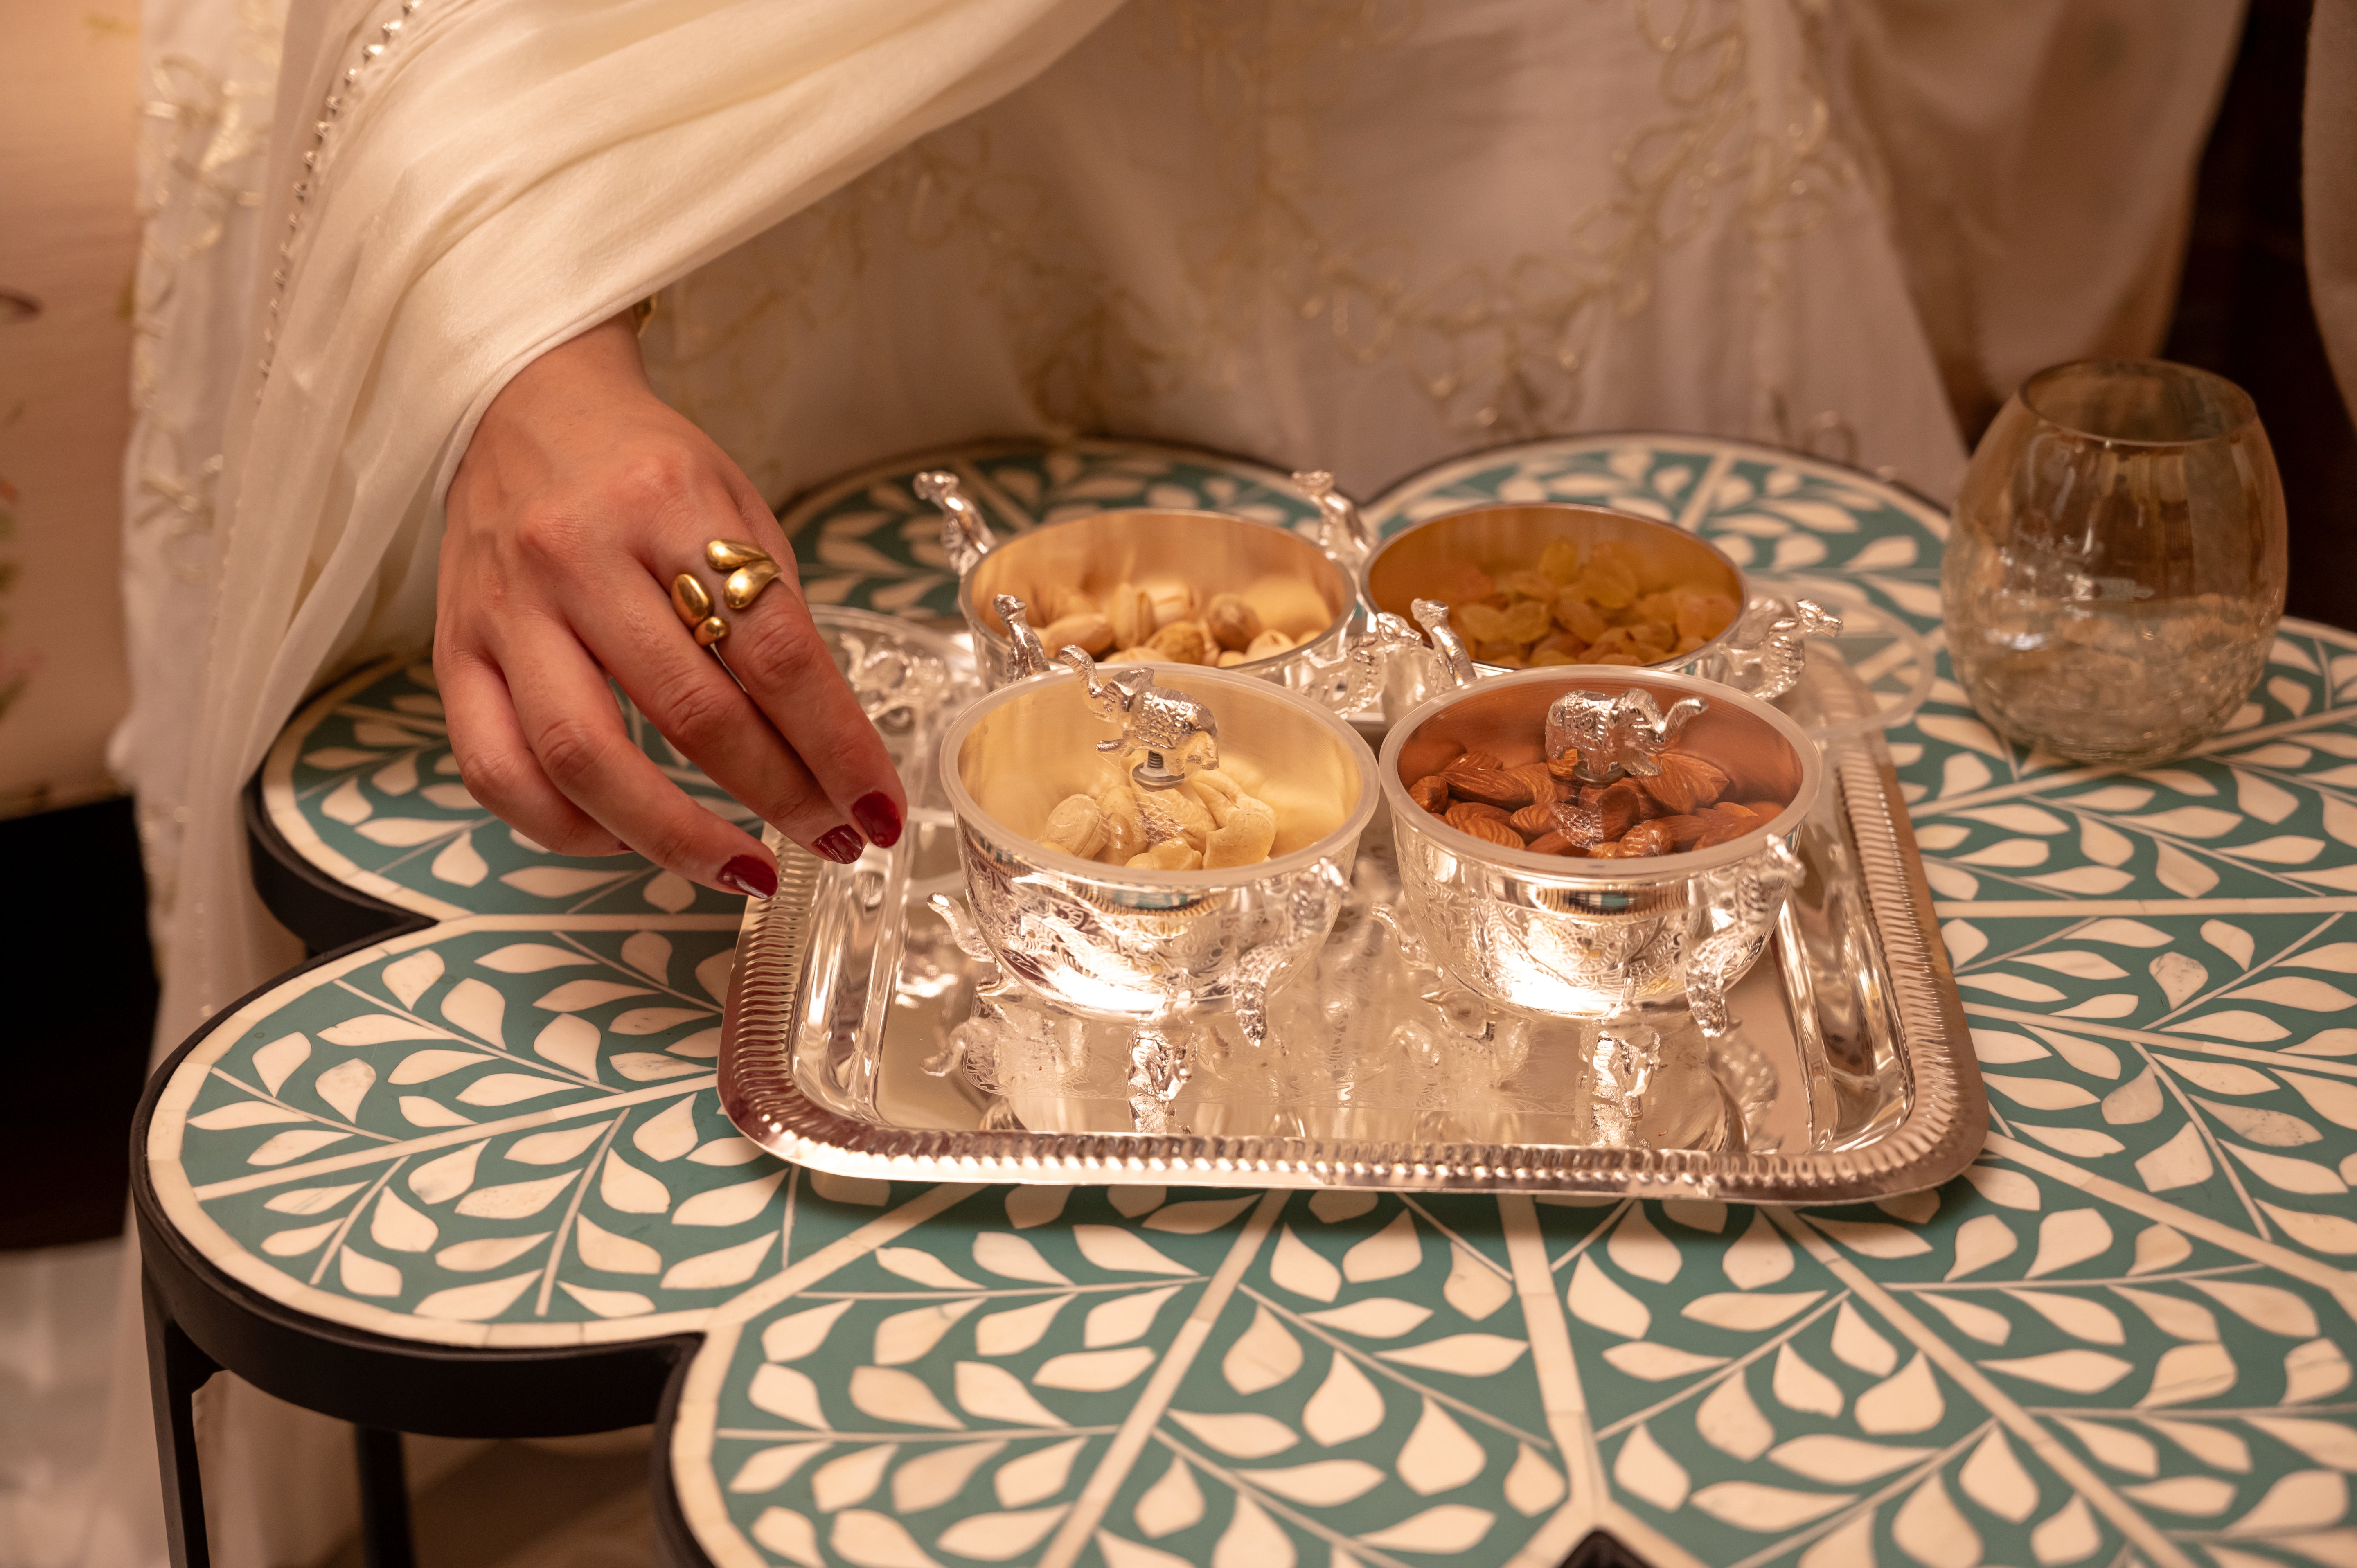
(878, 818)
(750, 877)
(839, 845)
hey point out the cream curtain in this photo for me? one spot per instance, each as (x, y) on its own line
(2329, 185)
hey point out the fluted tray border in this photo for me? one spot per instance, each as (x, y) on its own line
(1946, 1121)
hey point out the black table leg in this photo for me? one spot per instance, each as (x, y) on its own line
(384, 1499)
(176, 1371)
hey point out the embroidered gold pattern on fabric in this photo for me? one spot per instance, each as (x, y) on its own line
(1497, 344)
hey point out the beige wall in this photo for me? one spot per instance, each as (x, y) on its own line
(68, 119)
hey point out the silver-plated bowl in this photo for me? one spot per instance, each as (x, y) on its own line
(1759, 652)
(1298, 585)
(1596, 939)
(1153, 947)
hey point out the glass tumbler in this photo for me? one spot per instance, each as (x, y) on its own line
(2116, 569)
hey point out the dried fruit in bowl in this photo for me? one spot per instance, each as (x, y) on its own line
(1165, 621)
(1211, 821)
(1579, 605)
(1541, 807)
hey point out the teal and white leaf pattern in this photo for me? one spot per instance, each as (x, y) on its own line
(2123, 1335)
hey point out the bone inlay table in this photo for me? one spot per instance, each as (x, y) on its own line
(487, 1150)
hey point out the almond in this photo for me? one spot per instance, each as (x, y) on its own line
(1618, 807)
(1722, 830)
(1685, 782)
(1477, 759)
(1648, 838)
(1464, 815)
(1431, 792)
(1543, 789)
(1487, 786)
(1492, 831)
(1682, 831)
(1553, 843)
(1534, 820)
(1565, 769)
(1613, 852)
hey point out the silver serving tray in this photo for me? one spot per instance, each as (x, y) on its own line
(1849, 1077)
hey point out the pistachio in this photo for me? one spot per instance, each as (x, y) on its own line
(1268, 642)
(1230, 658)
(1232, 622)
(1089, 631)
(1172, 601)
(1183, 642)
(1066, 602)
(1132, 614)
(1141, 654)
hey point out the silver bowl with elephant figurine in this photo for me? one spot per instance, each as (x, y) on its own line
(1151, 585)
(1518, 802)
(1150, 843)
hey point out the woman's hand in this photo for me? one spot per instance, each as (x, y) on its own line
(580, 497)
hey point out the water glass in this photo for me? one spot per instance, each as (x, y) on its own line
(2116, 569)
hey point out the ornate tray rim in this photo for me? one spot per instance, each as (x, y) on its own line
(1943, 1132)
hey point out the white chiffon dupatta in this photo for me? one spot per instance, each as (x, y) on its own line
(453, 188)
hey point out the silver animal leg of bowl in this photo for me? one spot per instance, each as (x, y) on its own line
(967, 536)
(1732, 927)
(1762, 653)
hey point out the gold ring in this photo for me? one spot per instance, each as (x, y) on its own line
(749, 567)
(694, 606)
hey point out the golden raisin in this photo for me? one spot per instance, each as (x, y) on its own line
(1528, 621)
(1579, 616)
(1480, 623)
(1704, 615)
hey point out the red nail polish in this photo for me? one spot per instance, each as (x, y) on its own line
(878, 818)
(839, 845)
(749, 876)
